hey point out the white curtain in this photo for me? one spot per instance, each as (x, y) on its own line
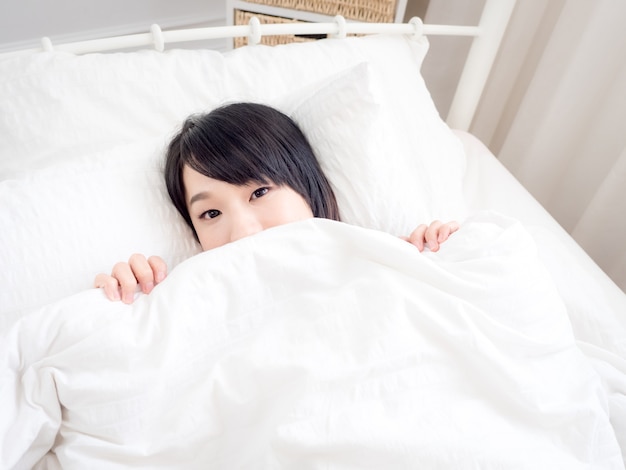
(554, 113)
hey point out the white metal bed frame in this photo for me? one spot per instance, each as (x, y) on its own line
(487, 36)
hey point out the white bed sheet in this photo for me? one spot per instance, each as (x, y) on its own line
(488, 185)
(596, 306)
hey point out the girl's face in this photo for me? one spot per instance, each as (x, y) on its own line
(222, 212)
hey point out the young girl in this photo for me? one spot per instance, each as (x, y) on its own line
(234, 172)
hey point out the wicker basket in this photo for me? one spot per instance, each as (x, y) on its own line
(243, 17)
(371, 11)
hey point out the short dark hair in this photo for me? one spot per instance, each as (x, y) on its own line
(243, 142)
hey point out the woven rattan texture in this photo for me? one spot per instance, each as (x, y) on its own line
(379, 11)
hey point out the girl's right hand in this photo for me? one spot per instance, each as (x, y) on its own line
(122, 283)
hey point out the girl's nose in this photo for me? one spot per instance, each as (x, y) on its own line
(244, 226)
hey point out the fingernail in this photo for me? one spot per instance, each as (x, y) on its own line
(148, 287)
(160, 276)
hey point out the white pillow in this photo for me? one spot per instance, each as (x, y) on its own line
(383, 178)
(58, 106)
(62, 225)
(82, 184)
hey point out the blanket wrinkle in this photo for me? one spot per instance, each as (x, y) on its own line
(374, 356)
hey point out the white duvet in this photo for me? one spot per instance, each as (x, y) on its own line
(314, 345)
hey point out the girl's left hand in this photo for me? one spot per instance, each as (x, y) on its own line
(432, 235)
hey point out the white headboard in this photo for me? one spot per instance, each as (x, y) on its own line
(487, 37)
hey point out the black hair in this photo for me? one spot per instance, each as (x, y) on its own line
(243, 142)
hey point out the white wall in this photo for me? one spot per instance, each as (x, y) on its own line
(24, 22)
(446, 57)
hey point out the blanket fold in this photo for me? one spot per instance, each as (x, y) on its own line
(314, 345)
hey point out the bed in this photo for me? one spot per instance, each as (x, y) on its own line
(318, 344)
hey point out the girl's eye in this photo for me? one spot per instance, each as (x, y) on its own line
(210, 214)
(260, 193)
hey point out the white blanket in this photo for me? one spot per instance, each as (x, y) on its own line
(313, 345)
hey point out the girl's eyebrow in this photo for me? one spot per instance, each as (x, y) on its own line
(199, 197)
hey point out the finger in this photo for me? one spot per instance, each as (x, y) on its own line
(109, 285)
(127, 281)
(432, 234)
(142, 271)
(446, 230)
(417, 236)
(159, 268)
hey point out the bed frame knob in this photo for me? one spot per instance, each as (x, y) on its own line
(46, 44)
(418, 27)
(341, 27)
(255, 31)
(157, 36)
